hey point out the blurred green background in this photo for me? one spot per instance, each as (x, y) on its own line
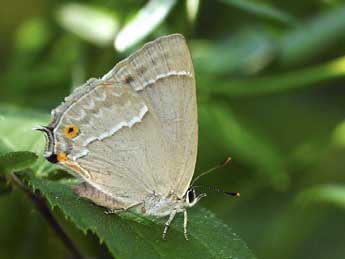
(270, 81)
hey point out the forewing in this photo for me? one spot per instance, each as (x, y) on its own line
(162, 73)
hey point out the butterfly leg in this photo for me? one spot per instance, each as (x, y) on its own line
(114, 211)
(185, 221)
(119, 210)
(167, 224)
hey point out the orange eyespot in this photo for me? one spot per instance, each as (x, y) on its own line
(61, 157)
(71, 131)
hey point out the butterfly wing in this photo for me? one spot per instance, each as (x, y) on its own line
(137, 126)
(162, 74)
(118, 143)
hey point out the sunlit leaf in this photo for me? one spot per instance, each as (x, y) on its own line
(89, 23)
(192, 9)
(143, 23)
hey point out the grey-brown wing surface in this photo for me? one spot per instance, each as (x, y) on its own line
(162, 73)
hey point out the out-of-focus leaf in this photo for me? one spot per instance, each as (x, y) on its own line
(284, 225)
(277, 83)
(262, 9)
(35, 81)
(16, 129)
(245, 146)
(33, 35)
(16, 161)
(3, 147)
(144, 22)
(26, 234)
(89, 23)
(131, 236)
(308, 153)
(339, 135)
(309, 39)
(246, 52)
(192, 9)
(5, 188)
(330, 194)
(16, 134)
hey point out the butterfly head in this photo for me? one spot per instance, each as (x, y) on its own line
(54, 152)
(60, 134)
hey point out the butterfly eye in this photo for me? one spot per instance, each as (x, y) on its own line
(190, 195)
(71, 131)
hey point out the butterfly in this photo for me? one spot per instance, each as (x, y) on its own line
(132, 135)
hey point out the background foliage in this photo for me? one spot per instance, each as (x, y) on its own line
(270, 81)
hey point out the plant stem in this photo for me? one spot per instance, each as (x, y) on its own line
(46, 213)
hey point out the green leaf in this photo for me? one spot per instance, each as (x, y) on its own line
(329, 194)
(262, 9)
(246, 52)
(246, 146)
(192, 8)
(322, 32)
(33, 35)
(131, 236)
(338, 135)
(16, 161)
(16, 134)
(4, 148)
(16, 129)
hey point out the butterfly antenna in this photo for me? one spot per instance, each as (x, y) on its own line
(217, 189)
(224, 163)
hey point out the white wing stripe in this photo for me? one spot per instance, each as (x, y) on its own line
(161, 76)
(83, 153)
(118, 126)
